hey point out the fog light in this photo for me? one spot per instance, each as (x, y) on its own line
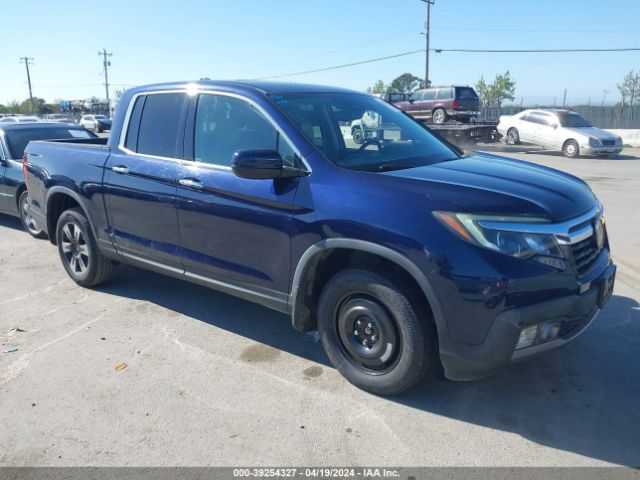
(527, 337)
(548, 331)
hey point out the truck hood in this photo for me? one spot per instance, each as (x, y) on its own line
(490, 184)
(590, 132)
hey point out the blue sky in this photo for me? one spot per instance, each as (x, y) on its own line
(160, 40)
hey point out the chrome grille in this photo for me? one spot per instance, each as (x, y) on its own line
(584, 254)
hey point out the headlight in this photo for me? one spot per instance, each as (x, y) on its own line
(594, 142)
(516, 242)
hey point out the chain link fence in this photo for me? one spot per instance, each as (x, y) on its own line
(602, 117)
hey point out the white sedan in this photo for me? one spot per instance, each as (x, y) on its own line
(559, 129)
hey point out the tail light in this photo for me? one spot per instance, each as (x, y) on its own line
(25, 160)
(455, 104)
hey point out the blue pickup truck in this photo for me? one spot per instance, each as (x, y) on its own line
(401, 251)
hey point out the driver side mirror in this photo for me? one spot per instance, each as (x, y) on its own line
(261, 164)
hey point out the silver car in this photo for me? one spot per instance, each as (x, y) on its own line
(559, 129)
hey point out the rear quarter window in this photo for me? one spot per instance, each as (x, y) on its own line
(466, 93)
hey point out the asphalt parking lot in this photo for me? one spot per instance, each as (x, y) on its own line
(208, 379)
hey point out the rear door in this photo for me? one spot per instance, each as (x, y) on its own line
(428, 102)
(140, 179)
(234, 230)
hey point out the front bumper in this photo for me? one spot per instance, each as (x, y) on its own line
(576, 312)
(608, 150)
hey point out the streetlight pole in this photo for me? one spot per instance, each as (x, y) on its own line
(29, 61)
(427, 82)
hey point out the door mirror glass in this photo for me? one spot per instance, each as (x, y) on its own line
(257, 164)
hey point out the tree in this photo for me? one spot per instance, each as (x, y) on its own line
(120, 91)
(630, 88)
(405, 83)
(493, 95)
(378, 87)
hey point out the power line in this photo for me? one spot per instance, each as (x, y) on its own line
(541, 50)
(456, 50)
(335, 67)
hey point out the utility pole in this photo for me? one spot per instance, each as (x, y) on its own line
(564, 98)
(29, 61)
(106, 64)
(604, 96)
(427, 82)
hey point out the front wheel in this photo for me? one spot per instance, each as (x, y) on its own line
(372, 333)
(358, 136)
(79, 252)
(27, 220)
(571, 149)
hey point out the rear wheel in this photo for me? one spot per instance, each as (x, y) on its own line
(28, 222)
(372, 333)
(439, 116)
(79, 252)
(513, 137)
(571, 149)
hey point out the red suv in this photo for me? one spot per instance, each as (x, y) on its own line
(439, 104)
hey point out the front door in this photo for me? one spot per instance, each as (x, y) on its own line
(234, 230)
(140, 180)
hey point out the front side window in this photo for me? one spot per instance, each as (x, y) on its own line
(416, 95)
(226, 124)
(361, 132)
(160, 124)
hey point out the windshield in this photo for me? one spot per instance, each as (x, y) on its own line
(362, 132)
(101, 117)
(574, 120)
(17, 140)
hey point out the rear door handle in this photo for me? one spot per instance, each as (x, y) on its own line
(191, 183)
(120, 169)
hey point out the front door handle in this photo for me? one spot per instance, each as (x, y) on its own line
(122, 169)
(191, 183)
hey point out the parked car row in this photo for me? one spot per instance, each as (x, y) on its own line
(402, 251)
(95, 123)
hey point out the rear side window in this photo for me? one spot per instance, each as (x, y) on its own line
(429, 95)
(158, 131)
(445, 94)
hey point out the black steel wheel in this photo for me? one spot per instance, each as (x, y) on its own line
(358, 135)
(27, 220)
(372, 332)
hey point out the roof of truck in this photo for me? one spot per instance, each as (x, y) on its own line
(257, 86)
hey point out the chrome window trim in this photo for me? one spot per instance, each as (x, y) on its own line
(190, 91)
(561, 230)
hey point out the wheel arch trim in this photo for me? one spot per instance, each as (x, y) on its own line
(66, 191)
(375, 249)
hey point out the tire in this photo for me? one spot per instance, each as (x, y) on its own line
(25, 216)
(512, 137)
(79, 251)
(359, 306)
(571, 149)
(439, 116)
(358, 136)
